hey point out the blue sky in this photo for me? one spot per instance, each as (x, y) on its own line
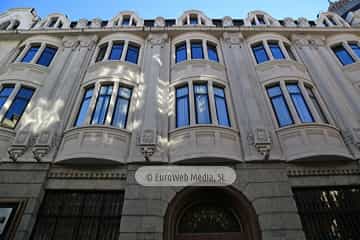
(106, 9)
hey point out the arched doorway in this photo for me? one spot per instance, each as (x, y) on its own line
(210, 214)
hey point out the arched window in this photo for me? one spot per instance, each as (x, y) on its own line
(210, 213)
(347, 52)
(4, 25)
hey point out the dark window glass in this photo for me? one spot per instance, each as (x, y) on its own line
(132, 54)
(181, 52)
(193, 20)
(60, 25)
(182, 107)
(260, 53)
(261, 19)
(15, 25)
(332, 20)
(101, 53)
(301, 107)
(79, 215)
(329, 213)
(202, 108)
(4, 25)
(197, 50)
(290, 52)
(126, 21)
(46, 56)
(30, 54)
(116, 51)
(212, 52)
(17, 107)
(253, 22)
(5, 92)
(8, 214)
(316, 104)
(52, 22)
(325, 23)
(84, 107)
(355, 47)
(276, 50)
(279, 105)
(102, 105)
(121, 109)
(343, 55)
(221, 107)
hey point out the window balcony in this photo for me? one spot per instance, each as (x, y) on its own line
(94, 145)
(204, 142)
(312, 142)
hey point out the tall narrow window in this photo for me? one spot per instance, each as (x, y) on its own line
(290, 52)
(194, 19)
(325, 23)
(197, 50)
(298, 100)
(279, 105)
(221, 107)
(316, 104)
(101, 53)
(102, 105)
(344, 57)
(261, 19)
(332, 20)
(30, 54)
(212, 52)
(125, 20)
(202, 104)
(17, 107)
(180, 52)
(182, 106)
(84, 107)
(121, 109)
(116, 51)
(132, 54)
(276, 50)
(52, 22)
(355, 47)
(5, 94)
(46, 56)
(260, 53)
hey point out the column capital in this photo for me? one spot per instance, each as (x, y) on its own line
(157, 39)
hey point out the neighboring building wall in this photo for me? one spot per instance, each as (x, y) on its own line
(47, 150)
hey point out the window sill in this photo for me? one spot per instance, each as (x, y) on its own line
(318, 141)
(199, 62)
(189, 127)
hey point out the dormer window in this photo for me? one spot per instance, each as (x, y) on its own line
(347, 52)
(193, 20)
(125, 20)
(261, 19)
(4, 25)
(53, 21)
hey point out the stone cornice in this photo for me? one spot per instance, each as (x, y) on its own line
(322, 172)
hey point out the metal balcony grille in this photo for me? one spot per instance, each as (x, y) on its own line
(329, 213)
(79, 215)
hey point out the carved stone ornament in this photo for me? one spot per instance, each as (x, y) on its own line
(233, 38)
(289, 22)
(262, 141)
(157, 39)
(96, 23)
(227, 21)
(44, 142)
(70, 43)
(159, 22)
(39, 152)
(148, 142)
(82, 23)
(303, 22)
(15, 152)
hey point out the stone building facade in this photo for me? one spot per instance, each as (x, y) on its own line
(85, 104)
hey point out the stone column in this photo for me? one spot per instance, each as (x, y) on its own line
(153, 131)
(248, 101)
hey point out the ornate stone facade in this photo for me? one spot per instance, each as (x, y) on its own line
(240, 62)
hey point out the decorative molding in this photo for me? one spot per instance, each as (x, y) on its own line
(148, 142)
(321, 172)
(159, 22)
(22, 141)
(79, 174)
(157, 39)
(233, 39)
(227, 22)
(260, 139)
